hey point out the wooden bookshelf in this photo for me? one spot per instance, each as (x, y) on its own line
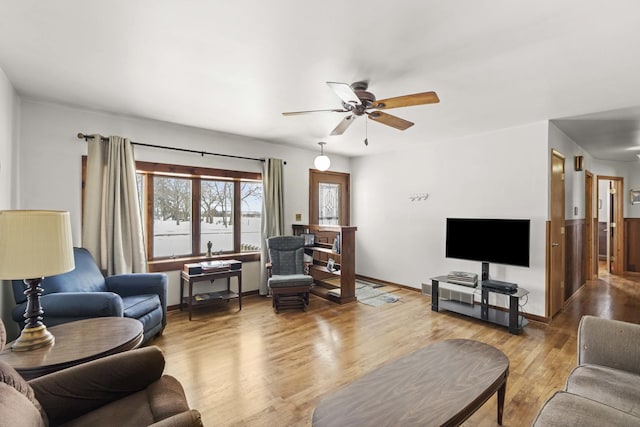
(342, 281)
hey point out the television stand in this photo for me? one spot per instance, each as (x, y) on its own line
(511, 318)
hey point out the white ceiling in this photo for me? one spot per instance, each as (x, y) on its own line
(235, 66)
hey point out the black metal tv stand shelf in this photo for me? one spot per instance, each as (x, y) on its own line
(512, 319)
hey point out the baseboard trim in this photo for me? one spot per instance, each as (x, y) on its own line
(384, 282)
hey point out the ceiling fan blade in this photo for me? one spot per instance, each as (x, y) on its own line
(345, 92)
(343, 125)
(406, 100)
(389, 120)
(295, 113)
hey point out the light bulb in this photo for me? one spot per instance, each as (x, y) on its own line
(322, 162)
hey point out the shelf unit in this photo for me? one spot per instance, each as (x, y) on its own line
(340, 285)
(512, 318)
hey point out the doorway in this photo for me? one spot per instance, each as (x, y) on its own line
(610, 242)
(556, 236)
(329, 198)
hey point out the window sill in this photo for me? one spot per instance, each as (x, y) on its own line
(158, 266)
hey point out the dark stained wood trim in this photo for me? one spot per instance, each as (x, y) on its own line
(574, 256)
(196, 195)
(344, 179)
(632, 243)
(194, 171)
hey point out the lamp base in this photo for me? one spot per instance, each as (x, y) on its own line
(32, 338)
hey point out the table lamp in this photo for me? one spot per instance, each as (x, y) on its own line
(34, 244)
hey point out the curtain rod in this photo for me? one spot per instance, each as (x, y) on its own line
(186, 150)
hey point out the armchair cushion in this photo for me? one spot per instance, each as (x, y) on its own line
(615, 388)
(569, 410)
(290, 280)
(70, 306)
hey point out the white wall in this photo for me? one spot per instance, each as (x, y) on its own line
(574, 180)
(50, 161)
(500, 174)
(9, 126)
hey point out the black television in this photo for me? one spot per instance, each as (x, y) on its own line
(499, 241)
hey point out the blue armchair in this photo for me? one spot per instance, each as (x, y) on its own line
(84, 293)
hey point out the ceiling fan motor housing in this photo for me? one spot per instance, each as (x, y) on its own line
(366, 98)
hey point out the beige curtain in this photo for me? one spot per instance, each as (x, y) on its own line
(272, 212)
(112, 223)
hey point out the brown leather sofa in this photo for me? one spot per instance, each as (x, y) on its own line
(125, 389)
(603, 389)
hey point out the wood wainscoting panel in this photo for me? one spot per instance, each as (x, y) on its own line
(574, 256)
(632, 244)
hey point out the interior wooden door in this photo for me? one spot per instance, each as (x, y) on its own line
(616, 227)
(329, 198)
(556, 243)
(612, 222)
(590, 265)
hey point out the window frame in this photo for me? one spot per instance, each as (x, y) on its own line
(196, 174)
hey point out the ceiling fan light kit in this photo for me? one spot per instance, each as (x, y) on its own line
(322, 162)
(357, 101)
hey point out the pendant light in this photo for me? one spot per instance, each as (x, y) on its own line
(322, 162)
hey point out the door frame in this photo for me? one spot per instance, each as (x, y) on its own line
(589, 246)
(550, 238)
(344, 179)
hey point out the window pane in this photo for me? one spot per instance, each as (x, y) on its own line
(329, 206)
(251, 210)
(216, 215)
(171, 216)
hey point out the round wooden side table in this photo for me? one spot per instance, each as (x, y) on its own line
(75, 343)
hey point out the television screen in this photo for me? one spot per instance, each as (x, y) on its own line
(500, 241)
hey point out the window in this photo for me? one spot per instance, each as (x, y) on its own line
(185, 208)
(172, 231)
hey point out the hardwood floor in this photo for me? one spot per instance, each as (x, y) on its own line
(258, 368)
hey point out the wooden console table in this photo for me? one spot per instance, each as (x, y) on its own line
(193, 300)
(76, 342)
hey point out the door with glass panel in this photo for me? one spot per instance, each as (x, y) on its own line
(329, 198)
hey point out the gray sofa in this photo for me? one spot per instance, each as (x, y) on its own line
(604, 389)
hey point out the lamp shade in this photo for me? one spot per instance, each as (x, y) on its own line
(322, 162)
(35, 244)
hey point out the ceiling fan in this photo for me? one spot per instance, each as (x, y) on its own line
(357, 102)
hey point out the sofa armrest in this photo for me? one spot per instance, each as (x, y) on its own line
(98, 382)
(140, 284)
(609, 343)
(190, 418)
(74, 306)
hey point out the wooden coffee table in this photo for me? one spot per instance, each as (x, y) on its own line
(440, 385)
(75, 343)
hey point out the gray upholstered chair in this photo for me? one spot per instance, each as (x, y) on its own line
(288, 284)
